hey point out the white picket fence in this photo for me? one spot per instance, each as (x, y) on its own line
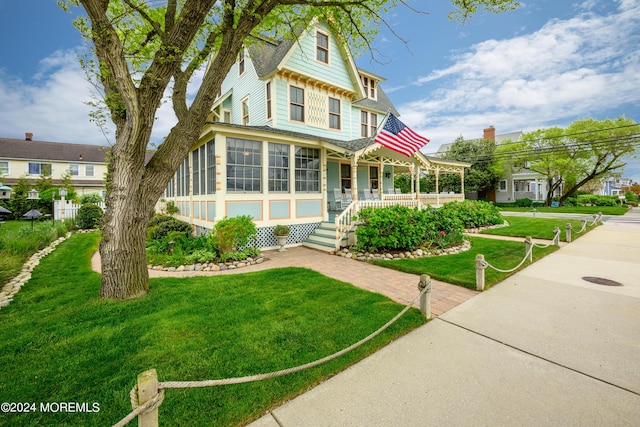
(66, 209)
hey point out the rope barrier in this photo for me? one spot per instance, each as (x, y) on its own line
(157, 400)
(259, 377)
(556, 236)
(147, 407)
(529, 250)
(596, 219)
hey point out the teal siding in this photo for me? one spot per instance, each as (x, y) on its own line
(355, 124)
(363, 180)
(387, 182)
(303, 59)
(333, 180)
(279, 209)
(211, 210)
(306, 208)
(254, 209)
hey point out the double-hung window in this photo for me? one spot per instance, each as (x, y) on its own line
(334, 113)
(278, 167)
(307, 169)
(322, 47)
(211, 167)
(244, 165)
(368, 123)
(296, 102)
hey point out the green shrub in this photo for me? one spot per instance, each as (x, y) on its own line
(524, 203)
(403, 228)
(159, 219)
(163, 229)
(90, 198)
(594, 200)
(473, 213)
(200, 255)
(230, 234)
(630, 197)
(88, 216)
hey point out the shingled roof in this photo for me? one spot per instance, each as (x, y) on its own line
(53, 151)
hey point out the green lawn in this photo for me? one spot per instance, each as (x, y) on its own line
(460, 269)
(538, 228)
(606, 210)
(61, 343)
(21, 239)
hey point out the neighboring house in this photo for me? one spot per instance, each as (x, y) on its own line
(613, 186)
(290, 141)
(31, 160)
(519, 182)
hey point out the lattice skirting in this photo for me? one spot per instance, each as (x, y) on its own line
(266, 238)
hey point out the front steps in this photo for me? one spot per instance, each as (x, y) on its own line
(323, 238)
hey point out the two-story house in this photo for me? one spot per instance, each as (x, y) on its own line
(29, 159)
(290, 140)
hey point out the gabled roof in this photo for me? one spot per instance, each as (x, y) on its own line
(266, 55)
(382, 104)
(270, 56)
(52, 151)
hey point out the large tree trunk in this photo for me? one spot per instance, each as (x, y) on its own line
(124, 225)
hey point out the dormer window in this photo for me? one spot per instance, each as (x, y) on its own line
(322, 47)
(370, 87)
(241, 65)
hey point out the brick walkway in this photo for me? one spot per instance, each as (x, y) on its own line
(400, 287)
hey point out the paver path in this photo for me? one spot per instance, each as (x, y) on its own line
(400, 287)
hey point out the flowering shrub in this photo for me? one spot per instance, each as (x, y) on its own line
(403, 228)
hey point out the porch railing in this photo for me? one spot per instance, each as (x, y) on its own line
(345, 222)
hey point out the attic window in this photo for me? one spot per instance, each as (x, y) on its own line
(241, 62)
(370, 87)
(322, 47)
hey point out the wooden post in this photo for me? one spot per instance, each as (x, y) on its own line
(147, 389)
(568, 232)
(425, 298)
(556, 236)
(480, 266)
(528, 247)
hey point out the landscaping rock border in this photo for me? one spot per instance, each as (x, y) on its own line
(390, 256)
(211, 266)
(11, 288)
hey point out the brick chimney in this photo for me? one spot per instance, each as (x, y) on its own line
(490, 133)
(28, 136)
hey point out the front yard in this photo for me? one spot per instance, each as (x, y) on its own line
(61, 343)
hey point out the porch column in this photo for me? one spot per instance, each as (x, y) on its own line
(437, 186)
(462, 181)
(354, 178)
(412, 178)
(417, 182)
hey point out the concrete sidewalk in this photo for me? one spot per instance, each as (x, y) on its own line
(544, 347)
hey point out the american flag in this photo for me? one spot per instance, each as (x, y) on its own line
(397, 136)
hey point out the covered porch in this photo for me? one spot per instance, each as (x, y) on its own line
(365, 178)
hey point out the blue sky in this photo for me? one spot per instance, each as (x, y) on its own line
(547, 64)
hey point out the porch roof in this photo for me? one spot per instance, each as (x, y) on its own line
(359, 147)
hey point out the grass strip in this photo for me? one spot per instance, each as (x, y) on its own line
(459, 269)
(538, 228)
(61, 343)
(21, 239)
(606, 210)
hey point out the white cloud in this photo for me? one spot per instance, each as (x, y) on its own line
(587, 66)
(53, 106)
